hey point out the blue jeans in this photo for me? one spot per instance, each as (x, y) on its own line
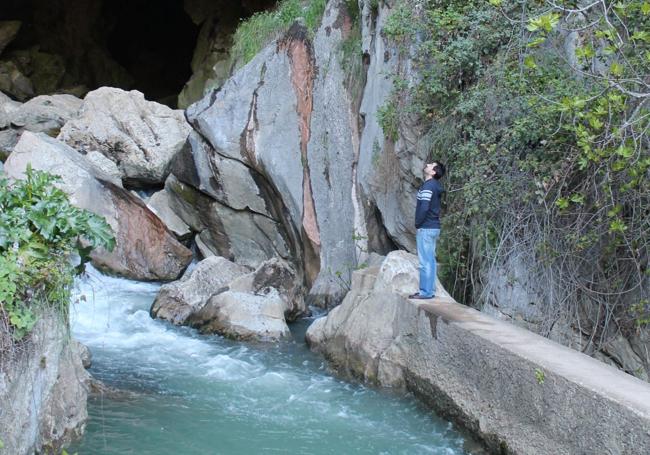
(426, 243)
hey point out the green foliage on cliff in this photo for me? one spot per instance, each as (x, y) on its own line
(261, 28)
(39, 231)
(541, 112)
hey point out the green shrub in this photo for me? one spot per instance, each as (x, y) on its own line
(39, 231)
(261, 28)
(547, 152)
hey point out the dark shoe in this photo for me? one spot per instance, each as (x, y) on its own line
(420, 297)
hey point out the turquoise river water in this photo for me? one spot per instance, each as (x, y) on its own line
(186, 393)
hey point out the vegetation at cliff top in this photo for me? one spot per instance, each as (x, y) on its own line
(257, 31)
(39, 231)
(541, 111)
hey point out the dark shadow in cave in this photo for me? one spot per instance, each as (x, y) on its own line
(154, 42)
(131, 44)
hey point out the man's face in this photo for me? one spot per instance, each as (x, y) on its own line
(428, 169)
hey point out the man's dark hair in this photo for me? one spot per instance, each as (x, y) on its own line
(440, 170)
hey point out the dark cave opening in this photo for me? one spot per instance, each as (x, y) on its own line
(73, 46)
(154, 42)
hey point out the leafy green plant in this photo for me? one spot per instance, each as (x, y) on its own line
(388, 118)
(39, 231)
(539, 376)
(263, 27)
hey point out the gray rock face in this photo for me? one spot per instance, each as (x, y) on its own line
(244, 316)
(463, 363)
(46, 113)
(243, 236)
(140, 136)
(43, 391)
(158, 203)
(292, 141)
(177, 301)
(389, 172)
(145, 249)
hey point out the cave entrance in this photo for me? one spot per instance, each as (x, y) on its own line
(72, 46)
(154, 42)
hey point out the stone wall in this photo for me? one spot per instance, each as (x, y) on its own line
(517, 391)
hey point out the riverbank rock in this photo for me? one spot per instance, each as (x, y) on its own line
(140, 136)
(356, 336)
(244, 316)
(43, 391)
(145, 249)
(178, 300)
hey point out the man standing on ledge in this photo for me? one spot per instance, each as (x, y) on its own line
(427, 223)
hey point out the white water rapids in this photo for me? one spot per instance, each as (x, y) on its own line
(195, 394)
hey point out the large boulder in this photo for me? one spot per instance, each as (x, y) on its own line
(141, 136)
(356, 336)
(145, 249)
(288, 118)
(219, 296)
(244, 316)
(177, 301)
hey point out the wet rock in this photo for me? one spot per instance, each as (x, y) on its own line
(140, 136)
(177, 301)
(83, 352)
(145, 249)
(244, 316)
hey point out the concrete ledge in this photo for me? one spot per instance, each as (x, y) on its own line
(518, 392)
